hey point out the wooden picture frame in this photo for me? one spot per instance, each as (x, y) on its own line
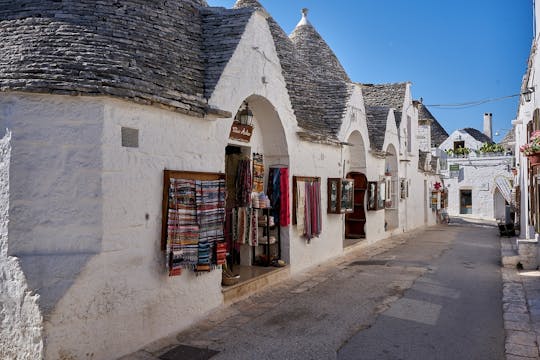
(340, 196)
(372, 195)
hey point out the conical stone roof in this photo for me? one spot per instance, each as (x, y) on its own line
(315, 51)
(313, 99)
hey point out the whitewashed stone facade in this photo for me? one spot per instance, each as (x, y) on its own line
(83, 259)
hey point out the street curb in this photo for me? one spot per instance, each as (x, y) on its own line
(521, 333)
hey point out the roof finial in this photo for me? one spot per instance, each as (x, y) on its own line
(304, 20)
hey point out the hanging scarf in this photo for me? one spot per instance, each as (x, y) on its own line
(300, 205)
(284, 205)
(258, 173)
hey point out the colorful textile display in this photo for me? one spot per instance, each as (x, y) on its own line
(284, 204)
(300, 205)
(210, 197)
(245, 226)
(196, 212)
(278, 191)
(243, 183)
(258, 173)
(308, 208)
(182, 227)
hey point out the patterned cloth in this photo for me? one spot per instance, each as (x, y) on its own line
(243, 184)
(258, 173)
(284, 204)
(308, 208)
(196, 213)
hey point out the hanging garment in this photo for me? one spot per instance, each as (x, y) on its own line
(308, 229)
(284, 204)
(258, 173)
(300, 205)
(231, 170)
(243, 184)
(182, 227)
(312, 209)
(242, 225)
(274, 192)
(254, 229)
(210, 200)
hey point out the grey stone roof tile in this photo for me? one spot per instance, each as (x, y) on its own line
(222, 32)
(319, 102)
(438, 134)
(376, 117)
(510, 137)
(390, 95)
(144, 51)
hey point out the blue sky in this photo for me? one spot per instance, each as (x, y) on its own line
(452, 51)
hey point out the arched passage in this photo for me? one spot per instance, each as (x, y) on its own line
(391, 213)
(256, 163)
(355, 168)
(499, 206)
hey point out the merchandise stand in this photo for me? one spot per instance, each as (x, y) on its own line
(267, 228)
(181, 232)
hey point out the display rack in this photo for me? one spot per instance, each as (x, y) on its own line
(267, 231)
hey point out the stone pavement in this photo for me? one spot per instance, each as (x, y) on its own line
(521, 307)
(368, 294)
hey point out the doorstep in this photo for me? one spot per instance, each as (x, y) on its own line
(252, 285)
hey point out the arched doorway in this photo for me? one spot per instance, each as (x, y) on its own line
(256, 164)
(355, 222)
(499, 206)
(354, 166)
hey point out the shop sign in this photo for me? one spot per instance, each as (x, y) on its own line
(241, 132)
(454, 167)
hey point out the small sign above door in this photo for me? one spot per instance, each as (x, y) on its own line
(241, 132)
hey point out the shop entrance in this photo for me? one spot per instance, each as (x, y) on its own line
(465, 201)
(355, 222)
(257, 193)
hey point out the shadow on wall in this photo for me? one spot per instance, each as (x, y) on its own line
(21, 330)
(55, 197)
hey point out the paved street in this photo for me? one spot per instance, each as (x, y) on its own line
(432, 294)
(451, 312)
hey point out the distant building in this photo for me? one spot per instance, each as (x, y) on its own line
(478, 183)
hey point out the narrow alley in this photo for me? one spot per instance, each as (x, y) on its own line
(433, 293)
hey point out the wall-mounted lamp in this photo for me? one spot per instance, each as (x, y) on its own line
(527, 94)
(245, 116)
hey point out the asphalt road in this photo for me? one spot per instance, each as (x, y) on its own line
(453, 311)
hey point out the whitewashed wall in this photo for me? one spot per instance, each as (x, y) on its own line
(477, 174)
(459, 135)
(20, 317)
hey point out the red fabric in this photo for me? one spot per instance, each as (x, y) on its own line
(284, 208)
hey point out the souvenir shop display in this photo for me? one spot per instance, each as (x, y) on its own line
(253, 215)
(307, 205)
(193, 217)
(258, 173)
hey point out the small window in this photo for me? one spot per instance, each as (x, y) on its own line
(459, 144)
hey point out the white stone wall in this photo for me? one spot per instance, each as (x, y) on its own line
(459, 135)
(20, 318)
(424, 137)
(477, 174)
(124, 299)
